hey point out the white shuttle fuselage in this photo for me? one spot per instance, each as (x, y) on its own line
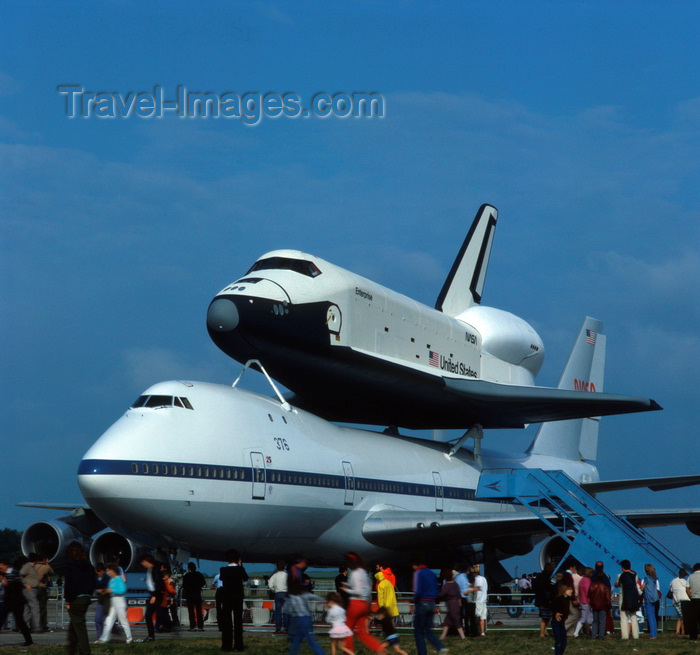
(354, 351)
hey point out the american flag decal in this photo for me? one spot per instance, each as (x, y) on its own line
(434, 359)
(590, 337)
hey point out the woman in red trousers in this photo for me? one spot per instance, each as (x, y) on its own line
(359, 588)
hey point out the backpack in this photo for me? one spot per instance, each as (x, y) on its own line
(630, 593)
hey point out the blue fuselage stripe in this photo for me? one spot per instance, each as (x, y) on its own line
(151, 469)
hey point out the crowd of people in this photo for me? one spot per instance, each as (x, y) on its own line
(24, 586)
(349, 607)
(576, 602)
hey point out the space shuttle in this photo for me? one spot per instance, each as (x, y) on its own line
(351, 350)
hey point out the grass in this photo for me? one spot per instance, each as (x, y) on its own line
(496, 643)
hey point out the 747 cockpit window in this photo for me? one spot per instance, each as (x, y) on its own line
(162, 401)
(286, 264)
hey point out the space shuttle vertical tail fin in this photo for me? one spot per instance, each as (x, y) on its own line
(577, 439)
(465, 282)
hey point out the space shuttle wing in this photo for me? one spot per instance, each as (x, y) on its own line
(418, 530)
(655, 484)
(518, 405)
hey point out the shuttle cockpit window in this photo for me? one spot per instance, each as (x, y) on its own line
(161, 401)
(286, 264)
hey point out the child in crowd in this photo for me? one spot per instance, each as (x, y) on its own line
(391, 637)
(300, 622)
(336, 617)
(560, 612)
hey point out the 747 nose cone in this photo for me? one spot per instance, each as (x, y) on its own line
(222, 315)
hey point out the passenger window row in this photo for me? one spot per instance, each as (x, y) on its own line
(301, 479)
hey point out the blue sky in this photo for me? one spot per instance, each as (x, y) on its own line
(580, 121)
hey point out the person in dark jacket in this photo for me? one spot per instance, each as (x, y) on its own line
(78, 589)
(192, 583)
(103, 599)
(14, 599)
(156, 588)
(425, 593)
(232, 577)
(599, 597)
(544, 589)
(561, 606)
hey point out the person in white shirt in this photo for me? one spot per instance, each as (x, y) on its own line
(679, 589)
(277, 584)
(480, 589)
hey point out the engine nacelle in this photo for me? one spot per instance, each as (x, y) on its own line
(51, 538)
(110, 546)
(553, 550)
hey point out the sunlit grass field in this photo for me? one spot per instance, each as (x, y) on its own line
(496, 643)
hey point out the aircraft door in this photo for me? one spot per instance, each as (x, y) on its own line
(349, 483)
(258, 469)
(437, 478)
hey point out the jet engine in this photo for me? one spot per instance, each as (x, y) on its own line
(110, 546)
(553, 550)
(51, 538)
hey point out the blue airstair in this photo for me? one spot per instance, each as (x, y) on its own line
(592, 530)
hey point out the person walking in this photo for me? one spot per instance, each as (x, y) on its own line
(359, 589)
(14, 599)
(78, 589)
(450, 595)
(301, 626)
(425, 593)
(117, 607)
(156, 588)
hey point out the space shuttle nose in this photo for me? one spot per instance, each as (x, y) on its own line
(222, 315)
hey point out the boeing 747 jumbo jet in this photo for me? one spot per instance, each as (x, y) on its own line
(193, 468)
(339, 342)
